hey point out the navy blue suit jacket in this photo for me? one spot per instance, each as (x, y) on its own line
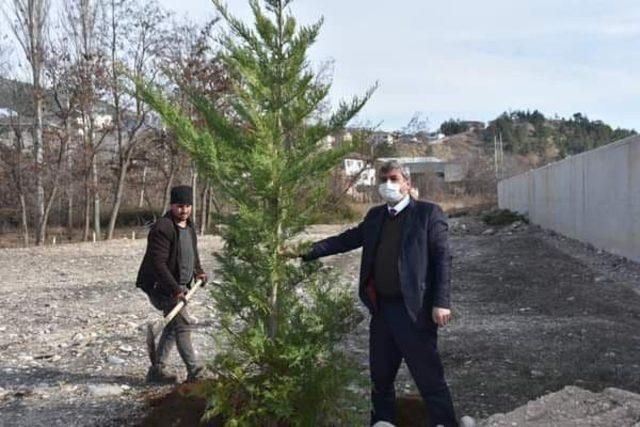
(425, 258)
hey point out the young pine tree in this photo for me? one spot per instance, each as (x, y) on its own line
(279, 361)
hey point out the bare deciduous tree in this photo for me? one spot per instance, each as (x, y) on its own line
(59, 73)
(139, 27)
(165, 156)
(87, 120)
(12, 156)
(192, 63)
(29, 22)
(82, 23)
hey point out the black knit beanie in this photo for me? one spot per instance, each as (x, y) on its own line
(182, 195)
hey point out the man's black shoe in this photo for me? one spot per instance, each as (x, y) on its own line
(157, 376)
(196, 374)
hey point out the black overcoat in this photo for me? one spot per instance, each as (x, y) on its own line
(159, 272)
(425, 258)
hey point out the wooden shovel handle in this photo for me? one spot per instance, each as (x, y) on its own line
(169, 317)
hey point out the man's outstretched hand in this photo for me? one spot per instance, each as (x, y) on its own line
(441, 316)
(203, 277)
(288, 252)
(305, 257)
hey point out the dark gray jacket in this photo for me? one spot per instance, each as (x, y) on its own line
(160, 269)
(425, 258)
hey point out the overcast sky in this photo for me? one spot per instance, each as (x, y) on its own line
(474, 59)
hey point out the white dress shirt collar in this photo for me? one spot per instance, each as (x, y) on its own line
(400, 205)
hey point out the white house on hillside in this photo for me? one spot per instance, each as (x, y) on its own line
(353, 167)
(100, 121)
(382, 138)
(435, 137)
(328, 142)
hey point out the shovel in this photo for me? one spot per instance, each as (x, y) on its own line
(154, 329)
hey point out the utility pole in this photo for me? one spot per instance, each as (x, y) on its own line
(501, 147)
(495, 155)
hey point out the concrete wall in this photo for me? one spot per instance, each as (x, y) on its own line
(593, 197)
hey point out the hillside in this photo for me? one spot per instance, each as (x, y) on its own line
(530, 140)
(544, 139)
(469, 149)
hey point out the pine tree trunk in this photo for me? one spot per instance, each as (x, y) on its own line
(275, 273)
(272, 332)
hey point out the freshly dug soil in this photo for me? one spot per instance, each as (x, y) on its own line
(182, 407)
(535, 312)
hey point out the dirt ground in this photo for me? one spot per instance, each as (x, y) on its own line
(534, 312)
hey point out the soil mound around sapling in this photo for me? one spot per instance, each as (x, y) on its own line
(184, 406)
(411, 412)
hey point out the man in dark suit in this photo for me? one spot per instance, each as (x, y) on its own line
(405, 282)
(170, 263)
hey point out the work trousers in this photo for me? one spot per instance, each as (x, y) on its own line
(178, 331)
(394, 336)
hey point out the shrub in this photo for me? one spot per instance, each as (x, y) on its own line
(502, 217)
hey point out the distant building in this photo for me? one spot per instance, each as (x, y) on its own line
(7, 112)
(421, 167)
(380, 137)
(334, 140)
(417, 164)
(473, 124)
(100, 121)
(454, 172)
(406, 138)
(355, 166)
(328, 142)
(435, 137)
(430, 176)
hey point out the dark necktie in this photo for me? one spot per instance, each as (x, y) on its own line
(392, 213)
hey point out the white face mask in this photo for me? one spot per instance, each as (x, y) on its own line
(390, 192)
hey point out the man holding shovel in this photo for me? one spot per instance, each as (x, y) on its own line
(170, 263)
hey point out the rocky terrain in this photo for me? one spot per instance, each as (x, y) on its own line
(534, 313)
(574, 406)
